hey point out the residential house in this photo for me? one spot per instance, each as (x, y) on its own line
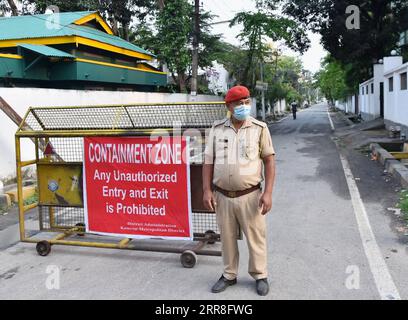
(72, 50)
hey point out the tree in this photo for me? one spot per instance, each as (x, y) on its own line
(232, 58)
(119, 13)
(331, 79)
(7, 6)
(262, 25)
(283, 79)
(4, 8)
(282, 73)
(13, 7)
(381, 23)
(169, 36)
(174, 26)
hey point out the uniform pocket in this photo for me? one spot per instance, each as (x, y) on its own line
(221, 151)
(251, 152)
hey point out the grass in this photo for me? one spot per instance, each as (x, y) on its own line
(32, 199)
(364, 149)
(403, 203)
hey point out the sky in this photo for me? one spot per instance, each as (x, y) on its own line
(226, 9)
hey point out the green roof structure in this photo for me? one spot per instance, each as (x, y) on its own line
(47, 51)
(58, 25)
(73, 49)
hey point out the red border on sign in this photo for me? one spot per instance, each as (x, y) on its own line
(127, 195)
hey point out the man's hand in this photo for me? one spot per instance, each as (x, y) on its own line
(265, 202)
(209, 200)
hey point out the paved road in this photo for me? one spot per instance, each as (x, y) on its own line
(316, 249)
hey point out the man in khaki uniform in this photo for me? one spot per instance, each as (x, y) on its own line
(232, 174)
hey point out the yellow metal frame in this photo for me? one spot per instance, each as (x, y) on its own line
(77, 40)
(144, 69)
(58, 171)
(103, 132)
(69, 231)
(140, 68)
(10, 56)
(21, 208)
(60, 239)
(45, 41)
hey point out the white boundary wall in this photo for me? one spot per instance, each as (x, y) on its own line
(280, 106)
(23, 98)
(348, 105)
(369, 91)
(396, 102)
(368, 105)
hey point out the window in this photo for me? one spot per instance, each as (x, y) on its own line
(404, 83)
(391, 84)
(403, 38)
(372, 88)
(362, 91)
(367, 90)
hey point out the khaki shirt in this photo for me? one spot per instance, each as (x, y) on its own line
(237, 155)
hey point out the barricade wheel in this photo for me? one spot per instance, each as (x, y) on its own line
(81, 234)
(43, 248)
(211, 235)
(188, 259)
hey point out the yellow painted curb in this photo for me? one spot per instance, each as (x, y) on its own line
(7, 200)
(28, 192)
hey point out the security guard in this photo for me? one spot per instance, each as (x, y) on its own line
(232, 175)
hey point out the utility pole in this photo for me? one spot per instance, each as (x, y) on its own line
(263, 93)
(194, 68)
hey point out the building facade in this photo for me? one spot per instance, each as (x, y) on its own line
(385, 95)
(72, 50)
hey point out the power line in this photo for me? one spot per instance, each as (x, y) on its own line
(218, 22)
(195, 47)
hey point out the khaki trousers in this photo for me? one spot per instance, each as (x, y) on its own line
(242, 212)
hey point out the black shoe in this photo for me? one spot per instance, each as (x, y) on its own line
(222, 284)
(262, 286)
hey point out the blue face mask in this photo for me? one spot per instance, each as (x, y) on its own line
(242, 112)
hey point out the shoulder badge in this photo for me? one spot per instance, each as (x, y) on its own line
(218, 122)
(259, 123)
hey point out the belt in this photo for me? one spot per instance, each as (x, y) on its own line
(236, 194)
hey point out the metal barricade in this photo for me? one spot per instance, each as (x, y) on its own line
(64, 128)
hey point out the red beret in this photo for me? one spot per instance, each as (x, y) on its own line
(237, 93)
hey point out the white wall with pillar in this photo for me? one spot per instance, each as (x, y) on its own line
(279, 107)
(396, 95)
(392, 76)
(22, 98)
(366, 99)
(370, 90)
(348, 105)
